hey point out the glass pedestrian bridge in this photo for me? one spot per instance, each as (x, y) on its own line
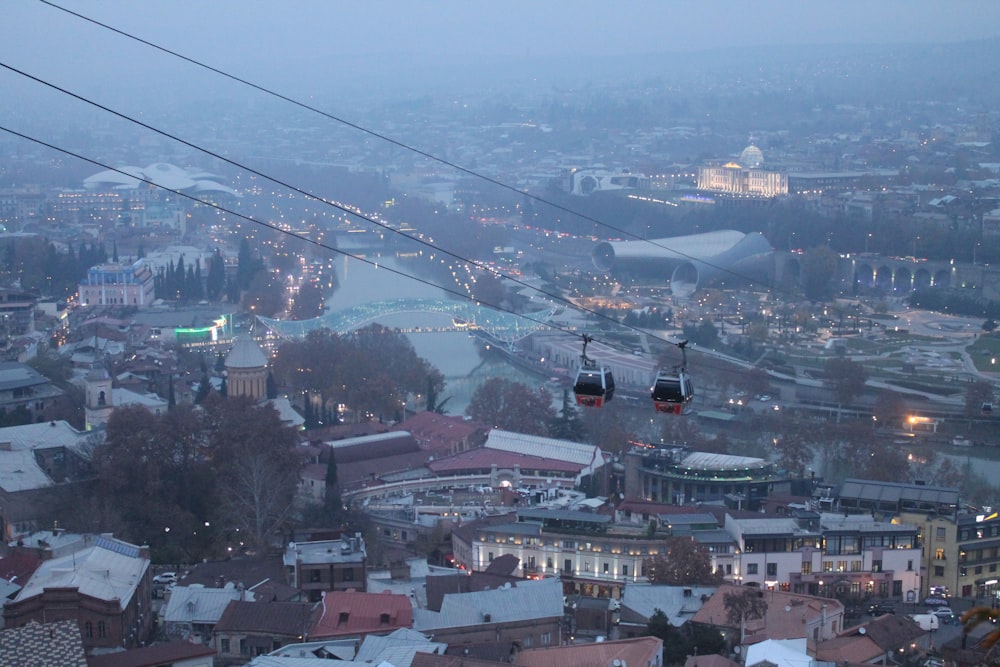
(502, 327)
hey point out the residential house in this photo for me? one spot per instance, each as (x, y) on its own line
(36, 460)
(248, 629)
(192, 611)
(640, 601)
(103, 585)
(640, 652)
(23, 390)
(327, 565)
(788, 616)
(885, 640)
(497, 623)
(358, 614)
(170, 654)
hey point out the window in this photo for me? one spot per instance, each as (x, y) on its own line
(489, 557)
(546, 638)
(938, 570)
(624, 570)
(548, 563)
(347, 574)
(856, 566)
(841, 566)
(772, 569)
(314, 576)
(606, 568)
(102, 629)
(876, 566)
(569, 544)
(962, 571)
(897, 588)
(909, 566)
(939, 554)
(567, 565)
(383, 619)
(807, 567)
(88, 629)
(244, 648)
(224, 645)
(751, 568)
(939, 533)
(979, 569)
(828, 566)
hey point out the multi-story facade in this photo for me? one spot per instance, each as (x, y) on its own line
(327, 565)
(576, 546)
(739, 181)
(118, 285)
(979, 557)
(828, 555)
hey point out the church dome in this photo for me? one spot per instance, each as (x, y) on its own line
(246, 354)
(752, 157)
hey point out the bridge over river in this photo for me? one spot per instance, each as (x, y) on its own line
(503, 327)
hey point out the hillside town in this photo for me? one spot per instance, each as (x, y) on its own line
(326, 404)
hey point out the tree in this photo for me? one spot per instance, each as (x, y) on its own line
(794, 451)
(742, 605)
(845, 378)
(819, 271)
(512, 406)
(976, 617)
(567, 424)
(889, 409)
(684, 562)
(308, 302)
(333, 504)
(978, 393)
(261, 467)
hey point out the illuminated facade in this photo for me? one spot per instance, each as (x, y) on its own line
(118, 285)
(734, 179)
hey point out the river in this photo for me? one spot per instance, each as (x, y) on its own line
(456, 354)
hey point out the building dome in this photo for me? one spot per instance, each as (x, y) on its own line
(752, 157)
(245, 354)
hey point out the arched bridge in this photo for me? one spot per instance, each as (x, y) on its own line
(503, 327)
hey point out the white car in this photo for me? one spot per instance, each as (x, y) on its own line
(943, 612)
(165, 578)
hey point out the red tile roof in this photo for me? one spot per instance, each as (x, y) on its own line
(152, 656)
(638, 652)
(356, 613)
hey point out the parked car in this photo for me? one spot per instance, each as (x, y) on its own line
(935, 601)
(880, 608)
(165, 578)
(943, 613)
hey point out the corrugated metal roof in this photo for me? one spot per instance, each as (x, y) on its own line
(524, 602)
(99, 572)
(549, 448)
(189, 604)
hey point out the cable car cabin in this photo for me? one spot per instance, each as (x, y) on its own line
(594, 386)
(672, 392)
(987, 409)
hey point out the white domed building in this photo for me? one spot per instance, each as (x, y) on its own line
(745, 178)
(246, 369)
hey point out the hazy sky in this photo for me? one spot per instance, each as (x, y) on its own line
(302, 46)
(233, 31)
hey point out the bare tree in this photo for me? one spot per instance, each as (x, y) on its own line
(742, 605)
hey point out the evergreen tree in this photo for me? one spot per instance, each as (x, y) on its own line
(568, 425)
(216, 281)
(224, 388)
(332, 501)
(114, 256)
(171, 399)
(203, 389)
(271, 390)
